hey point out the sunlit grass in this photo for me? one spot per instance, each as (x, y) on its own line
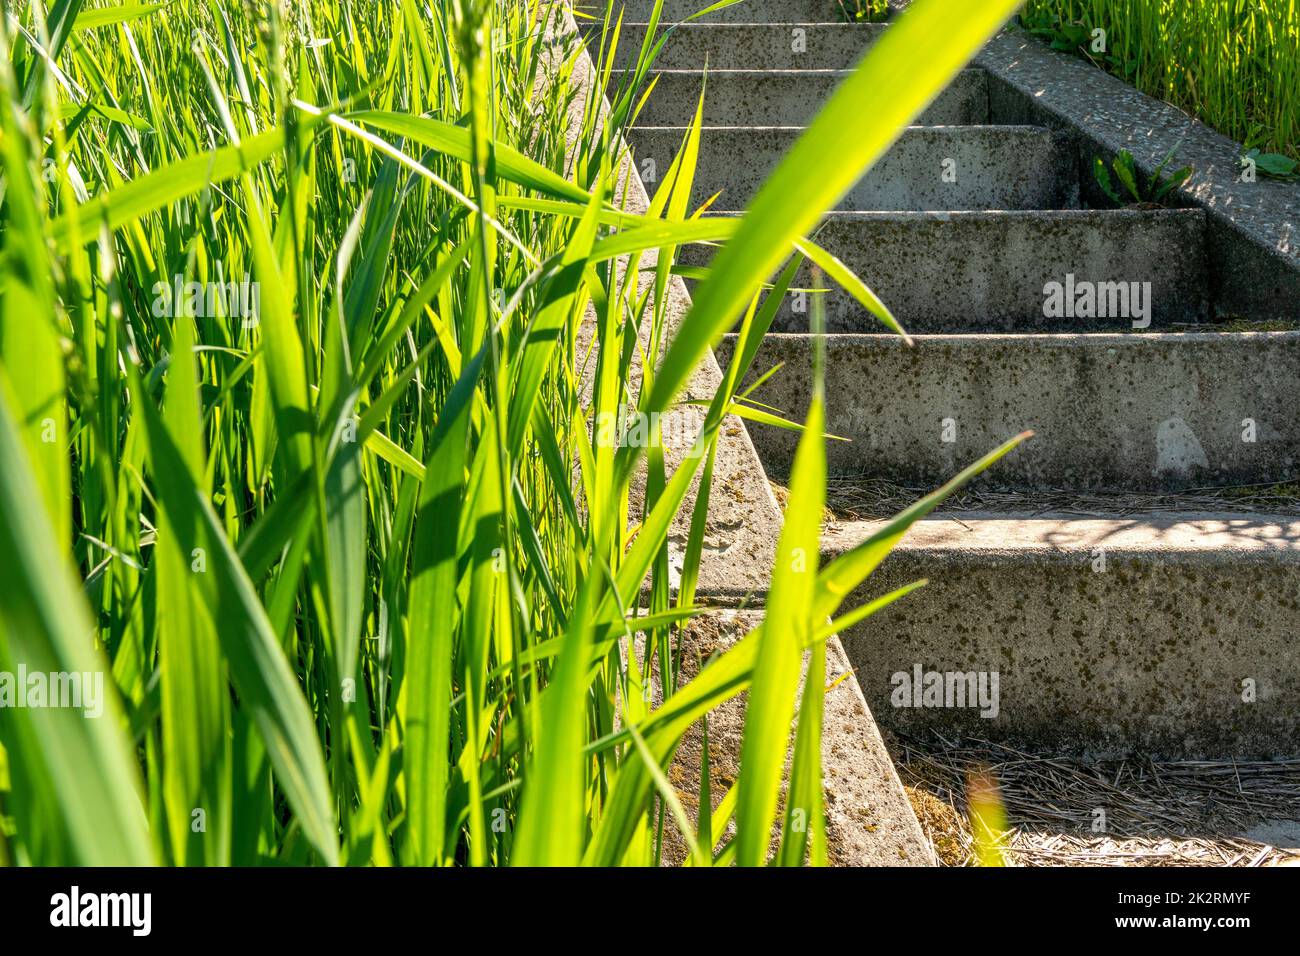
(1233, 63)
(368, 585)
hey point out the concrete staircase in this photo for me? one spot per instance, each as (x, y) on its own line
(1106, 573)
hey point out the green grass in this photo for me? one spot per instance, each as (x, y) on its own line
(368, 586)
(866, 11)
(1233, 63)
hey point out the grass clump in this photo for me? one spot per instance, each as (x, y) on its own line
(367, 581)
(1235, 64)
(1130, 187)
(867, 11)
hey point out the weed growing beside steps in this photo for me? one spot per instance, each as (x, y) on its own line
(1133, 187)
(1233, 63)
(866, 11)
(366, 589)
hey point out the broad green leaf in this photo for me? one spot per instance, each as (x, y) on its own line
(787, 628)
(455, 141)
(262, 676)
(75, 788)
(194, 686)
(158, 189)
(110, 16)
(432, 625)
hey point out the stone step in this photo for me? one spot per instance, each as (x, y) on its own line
(1009, 271)
(996, 167)
(1110, 411)
(747, 46)
(763, 97)
(747, 11)
(1171, 634)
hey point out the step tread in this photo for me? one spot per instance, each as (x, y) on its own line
(1135, 339)
(1079, 217)
(763, 11)
(1224, 535)
(959, 129)
(752, 71)
(758, 24)
(690, 44)
(791, 74)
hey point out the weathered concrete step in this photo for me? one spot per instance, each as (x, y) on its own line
(1118, 411)
(747, 11)
(1176, 635)
(1015, 271)
(762, 97)
(748, 46)
(996, 167)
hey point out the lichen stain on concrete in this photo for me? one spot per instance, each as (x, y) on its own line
(1178, 450)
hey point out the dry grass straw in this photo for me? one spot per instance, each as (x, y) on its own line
(1158, 813)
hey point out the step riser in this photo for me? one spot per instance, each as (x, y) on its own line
(748, 11)
(988, 272)
(1147, 655)
(788, 99)
(823, 46)
(996, 168)
(1120, 412)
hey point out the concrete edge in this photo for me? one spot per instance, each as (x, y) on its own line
(867, 823)
(1254, 235)
(749, 509)
(744, 520)
(1129, 340)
